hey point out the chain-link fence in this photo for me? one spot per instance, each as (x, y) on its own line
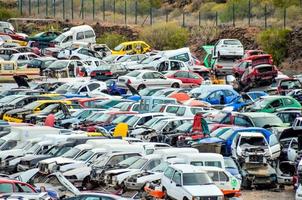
(139, 12)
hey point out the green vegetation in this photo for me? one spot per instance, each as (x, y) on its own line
(274, 41)
(6, 13)
(111, 39)
(165, 36)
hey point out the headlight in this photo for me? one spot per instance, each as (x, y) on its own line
(220, 198)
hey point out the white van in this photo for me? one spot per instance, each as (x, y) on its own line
(82, 33)
(174, 152)
(203, 159)
(183, 54)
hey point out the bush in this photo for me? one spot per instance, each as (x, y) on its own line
(8, 13)
(165, 36)
(111, 39)
(274, 41)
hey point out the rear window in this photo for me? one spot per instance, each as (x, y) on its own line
(182, 57)
(231, 42)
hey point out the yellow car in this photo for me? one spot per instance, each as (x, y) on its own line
(133, 47)
(18, 115)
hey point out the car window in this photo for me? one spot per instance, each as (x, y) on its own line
(175, 65)
(80, 36)
(242, 121)
(223, 177)
(148, 75)
(182, 57)
(228, 93)
(152, 164)
(287, 101)
(84, 89)
(181, 74)
(169, 172)
(67, 39)
(193, 76)
(213, 164)
(273, 140)
(116, 159)
(276, 104)
(177, 177)
(128, 48)
(93, 86)
(89, 34)
(215, 95)
(23, 188)
(181, 111)
(156, 75)
(6, 188)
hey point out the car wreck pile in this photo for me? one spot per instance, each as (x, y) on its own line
(135, 123)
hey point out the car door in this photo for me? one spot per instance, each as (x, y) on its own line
(183, 76)
(167, 179)
(292, 150)
(176, 184)
(229, 96)
(159, 79)
(216, 97)
(235, 149)
(274, 146)
(148, 79)
(274, 105)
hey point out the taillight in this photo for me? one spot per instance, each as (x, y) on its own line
(128, 81)
(108, 73)
(93, 73)
(219, 66)
(255, 72)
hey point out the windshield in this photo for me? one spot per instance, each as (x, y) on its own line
(133, 120)
(85, 156)
(32, 105)
(232, 42)
(119, 47)
(33, 149)
(272, 121)
(59, 64)
(204, 94)
(186, 127)
(60, 38)
(148, 91)
(58, 151)
(71, 153)
(146, 60)
(226, 134)
(161, 167)
(129, 161)
(122, 118)
(159, 125)
(138, 164)
(196, 179)
(261, 103)
(49, 109)
(219, 132)
(9, 99)
(110, 58)
(103, 118)
(151, 122)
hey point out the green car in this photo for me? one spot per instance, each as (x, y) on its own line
(208, 61)
(43, 39)
(271, 104)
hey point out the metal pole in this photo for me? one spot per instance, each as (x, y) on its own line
(136, 12)
(82, 8)
(233, 14)
(38, 6)
(93, 9)
(151, 20)
(199, 18)
(72, 16)
(183, 19)
(113, 11)
(216, 18)
(54, 8)
(167, 16)
(63, 4)
(249, 13)
(104, 10)
(29, 7)
(46, 8)
(284, 22)
(125, 12)
(265, 17)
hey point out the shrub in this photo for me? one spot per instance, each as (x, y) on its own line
(274, 41)
(8, 13)
(111, 39)
(165, 36)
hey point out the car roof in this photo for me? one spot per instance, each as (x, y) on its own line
(257, 114)
(186, 168)
(251, 134)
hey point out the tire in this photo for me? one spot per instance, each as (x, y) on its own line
(87, 184)
(165, 193)
(185, 198)
(74, 58)
(175, 85)
(141, 87)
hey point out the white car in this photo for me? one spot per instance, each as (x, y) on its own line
(141, 79)
(23, 58)
(228, 48)
(298, 195)
(78, 54)
(183, 181)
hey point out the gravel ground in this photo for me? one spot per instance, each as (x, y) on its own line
(287, 194)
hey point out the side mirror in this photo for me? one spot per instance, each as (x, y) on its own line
(178, 185)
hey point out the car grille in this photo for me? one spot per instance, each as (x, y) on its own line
(43, 168)
(122, 80)
(208, 198)
(265, 69)
(256, 158)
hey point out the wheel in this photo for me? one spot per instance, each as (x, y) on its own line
(165, 193)
(141, 87)
(185, 198)
(87, 184)
(175, 85)
(74, 58)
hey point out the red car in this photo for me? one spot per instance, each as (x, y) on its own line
(249, 53)
(12, 34)
(12, 186)
(186, 77)
(242, 64)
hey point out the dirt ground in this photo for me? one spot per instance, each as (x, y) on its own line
(287, 194)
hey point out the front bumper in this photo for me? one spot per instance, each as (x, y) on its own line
(131, 185)
(12, 119)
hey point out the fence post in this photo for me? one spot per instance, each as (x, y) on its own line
(151, 15)
(167, 16)
(249, 13)
(136, 7)
(104, 10)
(183, 19)
(216, 18)
(125, 12)
(233, 14)
(63, 4)
(199, 18)
(54, 8)
(113, 11)
(29, 7)
(38, 6)
(72, 16)
(265, 17)
(46, 8)
(82, 8)
(93, 9)
(284, 20)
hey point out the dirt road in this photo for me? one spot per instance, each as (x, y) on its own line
(287, 194)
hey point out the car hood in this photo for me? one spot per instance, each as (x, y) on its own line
(33, 157)
(203, 190)
(19, 111)
(77, 171)
(118, 171)
(58, 160)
